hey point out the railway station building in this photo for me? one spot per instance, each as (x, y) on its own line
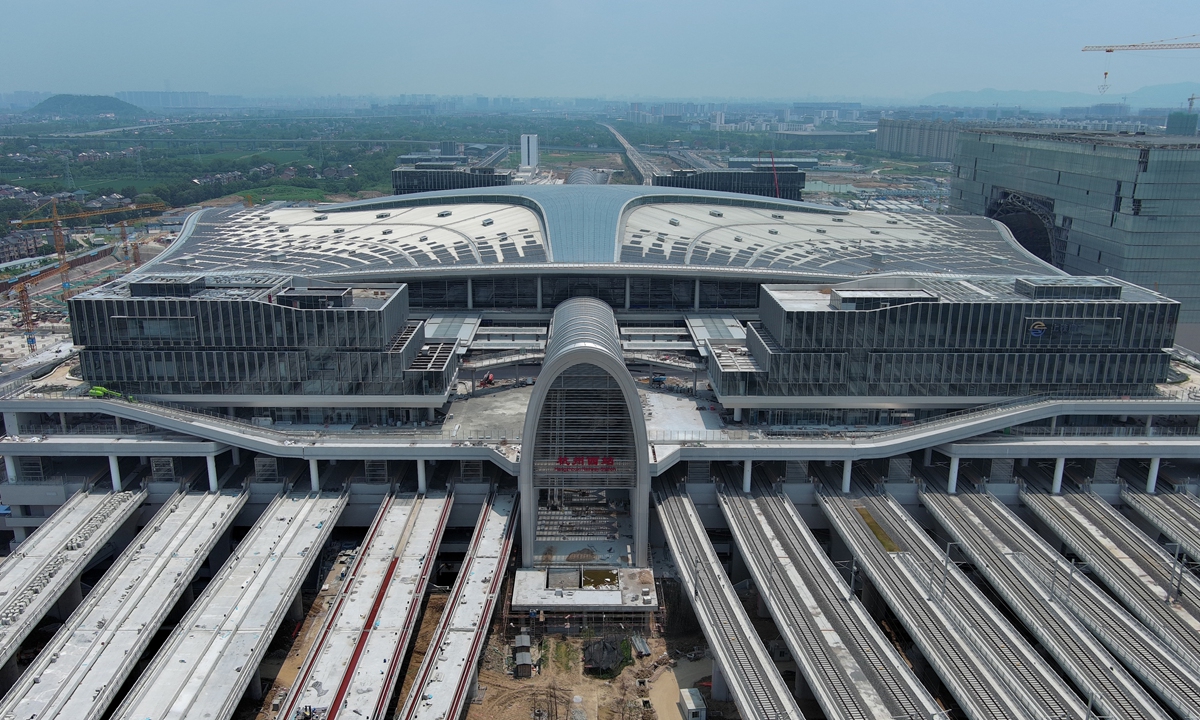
(629, 399)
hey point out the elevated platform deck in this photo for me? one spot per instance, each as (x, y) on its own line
(757, 688)
(445, 677)
(988, 667)
(44, 566)
(1136, 570)
(850, 666)
(1175, 515)
(353, 667)
(203, 669)
(78, 674)
(981, 532)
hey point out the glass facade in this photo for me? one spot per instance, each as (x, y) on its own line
(520, 292)
(1007, 346)
(263, 338)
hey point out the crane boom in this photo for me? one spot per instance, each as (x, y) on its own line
(1142, 46)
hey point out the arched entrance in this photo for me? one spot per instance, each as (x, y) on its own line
(584, 458)
(1031, 221)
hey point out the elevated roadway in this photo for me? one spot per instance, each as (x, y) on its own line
(353, 667)
(1009, 559)
(1137, 571)
(988, 667)
(79, 673)
(852, 669)
(48, 563)
(757, 688)
(205, 666)
(642, 167)
(445, 678)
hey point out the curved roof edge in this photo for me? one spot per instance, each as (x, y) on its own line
(581, 222)
(1020, 249)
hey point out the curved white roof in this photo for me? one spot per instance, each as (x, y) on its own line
(608, 228)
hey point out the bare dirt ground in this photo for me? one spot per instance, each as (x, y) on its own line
(429, 622)
(646, 690)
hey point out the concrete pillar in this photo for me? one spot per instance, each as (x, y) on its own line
(62, 421)
(1053, 422)
(295, 611)
(747, 474)
(952, 484)
(12, 423)
(254, 689)
(114, 469)
(1152, 476)
(10, 468)
(143, 460)
(1149, 425)
(118, 421)
(211, 461)
(314, 477)
(470, 296)
(627, 293)
(928, 460)
(236, 456)
(421, 482)
(539, 292)
(1059, 464)
(847, 465)
(737, 414)
(720, 689)
(1024, 462)
(696, 296)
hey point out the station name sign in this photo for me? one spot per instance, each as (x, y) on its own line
(586, 463)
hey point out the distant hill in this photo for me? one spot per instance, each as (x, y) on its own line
(86, 106)
(1156, 96)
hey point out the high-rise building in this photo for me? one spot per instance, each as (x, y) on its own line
(529, 151)
(1093, 203)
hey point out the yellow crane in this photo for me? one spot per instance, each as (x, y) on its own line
(28, 321)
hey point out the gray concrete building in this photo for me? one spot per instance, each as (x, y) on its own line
(1093, 203)
(934, 139)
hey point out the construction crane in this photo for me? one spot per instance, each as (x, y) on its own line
(28, 321)
(1154, 45)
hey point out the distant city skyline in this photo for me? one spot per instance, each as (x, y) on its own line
(868, 51)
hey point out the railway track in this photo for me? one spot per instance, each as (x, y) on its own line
(207, 663)
(989, 669)
(77, 675)
(854, 672)
(757, 687)
(47, 562)
(1103, 680)
(1135, 570)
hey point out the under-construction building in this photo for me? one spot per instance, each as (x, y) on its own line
(1093, 203)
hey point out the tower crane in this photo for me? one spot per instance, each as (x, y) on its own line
(1153, 45)
(28, 321)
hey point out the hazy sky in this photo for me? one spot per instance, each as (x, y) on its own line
(849, 49)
